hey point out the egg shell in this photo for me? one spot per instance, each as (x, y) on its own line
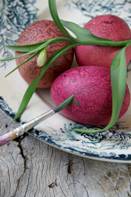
(104, 26)
(91, 87)
(37, 32)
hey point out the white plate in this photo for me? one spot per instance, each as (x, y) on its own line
(57, 131)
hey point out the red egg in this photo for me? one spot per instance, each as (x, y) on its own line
(108, 27)
(37, 32)
(91, 87)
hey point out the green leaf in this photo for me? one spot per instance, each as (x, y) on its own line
(81, 33)
(39, 47)
(89, 130)
(24, 62)
(31, 47)
(35, 51)
(118, 84)
(33, 86)
(28, 94)
(54, 14)
(11, 58)
(85, 37)
(64, 104)
(24, 48)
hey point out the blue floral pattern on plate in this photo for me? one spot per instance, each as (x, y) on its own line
(111, 146)
(14, 17)
(92, 8)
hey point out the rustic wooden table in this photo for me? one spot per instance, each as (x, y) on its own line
(29, 168)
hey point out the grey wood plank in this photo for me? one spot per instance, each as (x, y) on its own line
(29, 168)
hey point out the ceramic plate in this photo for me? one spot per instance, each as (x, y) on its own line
(59, 131)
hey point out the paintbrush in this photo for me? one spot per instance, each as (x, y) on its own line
(19, 131)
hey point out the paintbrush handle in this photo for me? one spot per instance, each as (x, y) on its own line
(4, 139)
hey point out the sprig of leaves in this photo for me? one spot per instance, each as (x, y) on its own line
(118, 84)
(35, 51)
(33, 86)
(29, 47)
(85, 37)
(26, 50)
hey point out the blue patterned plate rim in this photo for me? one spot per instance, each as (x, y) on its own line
(20, 14)
(43, 136)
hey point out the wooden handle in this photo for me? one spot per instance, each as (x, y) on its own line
(6, 138)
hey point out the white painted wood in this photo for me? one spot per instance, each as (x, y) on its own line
(29, 168)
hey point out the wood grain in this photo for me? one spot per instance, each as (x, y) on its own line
(29, 168)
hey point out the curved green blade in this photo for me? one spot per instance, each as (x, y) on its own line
(84, 36)
(33, 86)
(54, 14)
(118, 83)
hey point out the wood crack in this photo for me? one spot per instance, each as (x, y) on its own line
(19, 145)
(70, 166)
(19, 140)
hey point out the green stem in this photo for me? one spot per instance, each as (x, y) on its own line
(89, 131)
(38, 49)
(24, 62)
(105, 43)
(33, 86)
(24, 48)
(54, 14)
(85, 37)
(64, 104)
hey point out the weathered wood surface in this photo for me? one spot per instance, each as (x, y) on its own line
(29, 168)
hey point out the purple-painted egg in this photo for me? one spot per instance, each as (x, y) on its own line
(91, 87)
